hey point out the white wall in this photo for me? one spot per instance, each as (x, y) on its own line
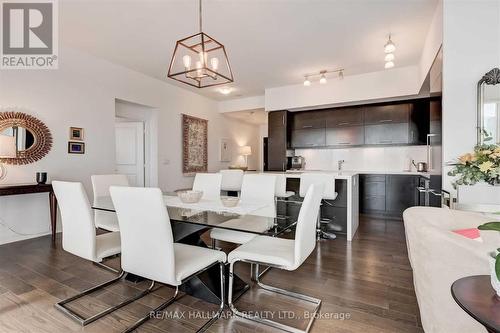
(386, 159)
(433, 42)
(402, 81)
(82, 93)
(471, 47)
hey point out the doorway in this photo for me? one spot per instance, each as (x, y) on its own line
(130, 159)
(136, 142)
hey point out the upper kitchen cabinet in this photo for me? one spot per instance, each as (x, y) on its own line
(344, 117)
(309, 120)
(277, 140)
(387, 114)
(308, 138)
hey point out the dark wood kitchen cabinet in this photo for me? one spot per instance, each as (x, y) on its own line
(309, 120)
(387, 114)
(387, 195)
(345, 136)
(307, 138)
(387, 134)
(277, 140)
(344, 117)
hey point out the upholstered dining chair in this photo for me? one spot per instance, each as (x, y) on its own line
(79, 238)
(328, 181)
(286, 254)
(100, 186)
(209, 183)
(148, 248)
(256, 189)
(232, 180)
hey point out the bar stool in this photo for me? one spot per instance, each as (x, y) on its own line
(328, 181)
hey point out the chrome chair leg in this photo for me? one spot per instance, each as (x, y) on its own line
(106, 267)
(162, 306)
(315, 301)
(151, 314)
(84, 321)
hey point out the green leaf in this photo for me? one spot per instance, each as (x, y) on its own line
(497, 266)
(490, 226)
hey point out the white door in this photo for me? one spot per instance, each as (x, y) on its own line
(130, 151)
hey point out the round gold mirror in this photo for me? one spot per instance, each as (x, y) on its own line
(32, 139)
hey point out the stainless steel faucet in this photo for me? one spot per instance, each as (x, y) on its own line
(340, 163)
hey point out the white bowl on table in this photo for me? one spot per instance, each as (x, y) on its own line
(190, 196)
(230, 201)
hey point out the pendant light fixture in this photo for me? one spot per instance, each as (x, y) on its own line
(389, 49)
(200, 61)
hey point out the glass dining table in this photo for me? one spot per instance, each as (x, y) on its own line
(190, 221)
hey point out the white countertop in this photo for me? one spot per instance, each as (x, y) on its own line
(345, 174)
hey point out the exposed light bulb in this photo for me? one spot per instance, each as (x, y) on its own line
(389, 57)
(215, 63)
(199, 66)
(186, 60)
(389, 64)
(323, 79)
(203, 58)
(389, 47)
(307, 83)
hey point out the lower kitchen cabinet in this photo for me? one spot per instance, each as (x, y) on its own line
(388, 195)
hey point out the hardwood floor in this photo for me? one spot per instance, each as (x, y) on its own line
(366, 286)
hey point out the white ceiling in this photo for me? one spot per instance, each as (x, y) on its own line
(254, 117)
(269, 42)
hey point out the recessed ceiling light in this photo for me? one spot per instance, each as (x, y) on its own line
(225, 91)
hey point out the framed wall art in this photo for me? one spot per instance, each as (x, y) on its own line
(76, 133)
(76, 148)
(194, 144)
(225, 150)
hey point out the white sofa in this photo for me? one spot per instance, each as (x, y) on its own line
(439, 257)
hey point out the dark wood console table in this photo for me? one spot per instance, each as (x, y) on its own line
(475, 296)
(16, 189)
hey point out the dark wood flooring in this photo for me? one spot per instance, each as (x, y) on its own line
(365, 285)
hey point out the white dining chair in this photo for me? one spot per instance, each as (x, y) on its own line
(148, 248)
(100, 186)
(79, 238)
(286, 254)
(281, 191)
(232, 180)
(209, 183)
(256, 189)
(328, 181)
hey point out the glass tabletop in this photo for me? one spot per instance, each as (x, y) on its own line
(199, 214)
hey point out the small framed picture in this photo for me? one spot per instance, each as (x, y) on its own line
(76, 147)
(76, 133)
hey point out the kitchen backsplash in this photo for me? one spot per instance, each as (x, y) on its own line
(372, 158)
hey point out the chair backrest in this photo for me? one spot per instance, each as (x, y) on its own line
(259, 189)
(102, 183)
(280, 185)
(147, 243)
(78, 230)
(209, 183)
(305, 232)
(231, 179)
(328, 181)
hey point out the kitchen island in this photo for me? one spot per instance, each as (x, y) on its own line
(346, 208)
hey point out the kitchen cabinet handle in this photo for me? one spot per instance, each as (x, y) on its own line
(385, 121)
(307, 126)
(341, 124)
(283, 119)
(344, 143)
(385, 141)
